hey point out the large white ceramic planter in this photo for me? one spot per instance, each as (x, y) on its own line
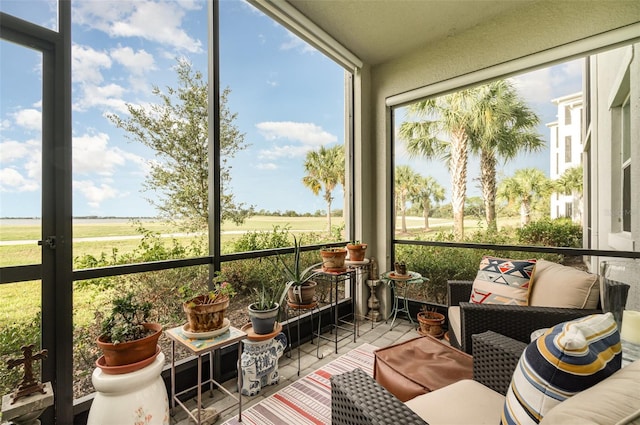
(131, 398)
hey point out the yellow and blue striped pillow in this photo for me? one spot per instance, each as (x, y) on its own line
(566, 359)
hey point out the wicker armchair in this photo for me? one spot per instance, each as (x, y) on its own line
(517, 322)
(357, 399)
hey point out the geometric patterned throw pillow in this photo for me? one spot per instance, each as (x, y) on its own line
(502, 281)
(566, 359)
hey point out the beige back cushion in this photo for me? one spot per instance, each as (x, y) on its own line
(615, 400)
(555, 285)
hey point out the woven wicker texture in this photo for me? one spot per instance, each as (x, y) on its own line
(356, 399)
(495, 358)
(514, 321)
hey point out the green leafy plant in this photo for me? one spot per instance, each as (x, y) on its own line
(125, 322)
(293, 273)
(268, 297)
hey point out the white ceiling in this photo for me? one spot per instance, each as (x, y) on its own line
(380, 30)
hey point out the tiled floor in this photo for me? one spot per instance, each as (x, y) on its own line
(380, 336)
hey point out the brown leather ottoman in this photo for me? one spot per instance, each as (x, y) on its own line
(419, 366)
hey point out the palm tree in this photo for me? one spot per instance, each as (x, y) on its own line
(504, 127)
(407, 183)
(450, 116)
(324, 170)
(526, 186)
(428, 190)
(570, 183)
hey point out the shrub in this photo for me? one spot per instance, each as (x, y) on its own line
(12, 338)
(546, 232)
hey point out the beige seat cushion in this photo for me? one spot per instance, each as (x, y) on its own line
(555, 285)
(453, 316)
(615, 400)
(464, 402)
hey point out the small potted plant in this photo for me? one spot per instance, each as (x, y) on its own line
(333, 259)
(299, 284)
(431, 322)
(206, 312)
(263, 312)
(356, 250)
(400, 268)
(127, 336)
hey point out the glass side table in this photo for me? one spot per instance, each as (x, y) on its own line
(400, 283)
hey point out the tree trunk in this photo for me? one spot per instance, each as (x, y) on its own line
(458, 171)
(525, 212)
(329, 217)
(403, 210)
(425, 213)
(488, 185)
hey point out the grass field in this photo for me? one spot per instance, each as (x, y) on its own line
(20, 301)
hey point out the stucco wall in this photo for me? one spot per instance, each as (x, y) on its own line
(512, 37)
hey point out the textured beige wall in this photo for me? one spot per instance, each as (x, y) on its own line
(516, 35)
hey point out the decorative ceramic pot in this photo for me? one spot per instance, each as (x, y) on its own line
(263, 321)
(135, 397)
(205, 317)
(131, 351)
(431, 323)
(302, 294)
(356, 251)
(333, 259)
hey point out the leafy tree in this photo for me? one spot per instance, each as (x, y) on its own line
(428, 190)
(176, 128)
(570, 183)
(505, 126)
(407, 183)
(526, 185)
(325, 169)
(443, 132)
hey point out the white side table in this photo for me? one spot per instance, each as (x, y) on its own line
(201, 347)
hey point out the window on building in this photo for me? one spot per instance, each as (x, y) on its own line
(567, 149)
(567, 115)
(568, 209)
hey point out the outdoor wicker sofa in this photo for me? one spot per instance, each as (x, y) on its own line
(519, 321)
(514, 321)
(357, 399)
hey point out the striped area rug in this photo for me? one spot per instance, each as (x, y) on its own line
(308, 400)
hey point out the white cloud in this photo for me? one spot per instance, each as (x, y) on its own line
(308, 136)
(154, 21)
(294, 42)
(267, 166)
(136, 62)
(30, 119)
(95, 194)
(542, 85)
(535, 86)
(12, 181)
(109, 96)
(12, 150)
(87, 64)
(306, 133)
(92, 154)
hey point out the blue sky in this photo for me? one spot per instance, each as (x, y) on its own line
(289, 99)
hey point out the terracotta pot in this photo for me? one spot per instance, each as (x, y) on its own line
(263, 321)
(302, 294)
(356, 251)
(431, 323)
(333, 259)
(205, 317)
(131, 351)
